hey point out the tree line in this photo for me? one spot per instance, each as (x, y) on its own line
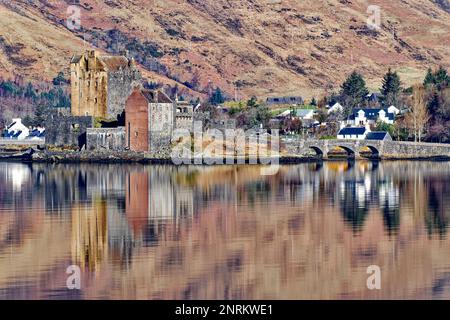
(426, 105)
(31, 101)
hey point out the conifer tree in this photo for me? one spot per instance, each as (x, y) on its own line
(390, 88)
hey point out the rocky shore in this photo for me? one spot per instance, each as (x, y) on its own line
(96, 157)
(47, 156)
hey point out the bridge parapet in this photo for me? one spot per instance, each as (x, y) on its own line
(382, 149)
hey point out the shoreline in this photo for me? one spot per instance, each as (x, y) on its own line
(67, 157)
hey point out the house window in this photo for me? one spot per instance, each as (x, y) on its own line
(136, 133)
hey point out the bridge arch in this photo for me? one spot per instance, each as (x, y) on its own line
(374, 152)
(350, 152)
(318, 151)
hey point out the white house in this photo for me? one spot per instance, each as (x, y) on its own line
(362, 117)
(37, 133)
(337, 107)
(284, 114)
(16, 130)
(353, 133)
(393, 109)
(305, 114)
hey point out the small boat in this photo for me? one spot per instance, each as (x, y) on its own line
(21, 156)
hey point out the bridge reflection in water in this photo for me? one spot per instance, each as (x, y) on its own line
(165, 232)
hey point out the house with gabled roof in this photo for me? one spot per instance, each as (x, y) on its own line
(297, 100)
(16, 130)
(362, 117)
(353, 133)
(337, 107)
(379, 136)
(304, 114)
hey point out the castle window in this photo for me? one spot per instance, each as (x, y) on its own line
(95, 100)
(136, 133)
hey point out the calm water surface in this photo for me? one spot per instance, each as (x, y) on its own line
(165, 232)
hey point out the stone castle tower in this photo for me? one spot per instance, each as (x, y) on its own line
(101, 84)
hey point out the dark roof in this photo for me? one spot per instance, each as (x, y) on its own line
(111, 63)
(114, 63)
(284, 100)
(10, 126)
(372, 114)
(377, 135)
(373, 96)
(155, 96)
(352, 130)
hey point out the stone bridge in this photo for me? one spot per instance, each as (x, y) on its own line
(379, 149)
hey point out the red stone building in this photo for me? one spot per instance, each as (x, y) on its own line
(149, 120)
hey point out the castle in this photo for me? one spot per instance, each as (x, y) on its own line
(107, 90)
(100, 84)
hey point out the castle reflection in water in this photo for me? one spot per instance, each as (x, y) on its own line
(205, 221)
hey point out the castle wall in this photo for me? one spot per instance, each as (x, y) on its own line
(102, 139)
(120, 85)
(136, 122)
(160, 126)
(63, 130)
(184, 120)
(100, 85)
(88, 88)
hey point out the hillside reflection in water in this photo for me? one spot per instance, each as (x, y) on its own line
(225, 232)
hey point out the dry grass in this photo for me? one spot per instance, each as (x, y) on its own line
(295, 47)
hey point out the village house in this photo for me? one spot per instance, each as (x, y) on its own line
(283, 115)
(100, 84)
(337, 107)
(284, 100)
(37, 133)
(149, 120)
(379, 136)
(16, 130)
(362, 117)
(393, 109)
(353, 133)
(305, 114)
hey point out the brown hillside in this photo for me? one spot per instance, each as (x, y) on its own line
(266, 47)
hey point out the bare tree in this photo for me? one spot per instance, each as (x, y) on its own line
(418, 117)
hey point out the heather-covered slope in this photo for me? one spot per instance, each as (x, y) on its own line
(264, 47)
